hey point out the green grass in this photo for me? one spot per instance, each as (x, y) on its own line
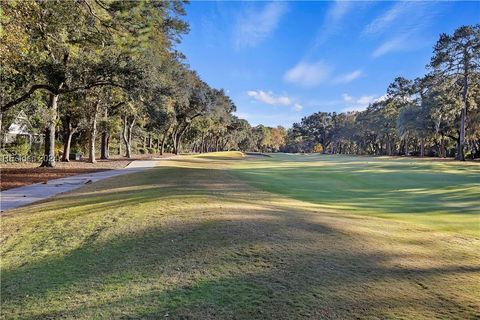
(442, 195)
(244, 237)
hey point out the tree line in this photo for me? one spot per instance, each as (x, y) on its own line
(91, 72)
(436, 115)
(106, 76)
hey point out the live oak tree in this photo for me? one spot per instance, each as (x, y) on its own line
(59, 43)
(398, 96)
(65, 46)
(192, 99)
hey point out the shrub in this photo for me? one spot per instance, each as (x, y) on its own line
(4, 155)
(141, 150)
(58, 149)
(318, 148)
(152, 150)
(76, 149)
(36, 155)
(20, 147)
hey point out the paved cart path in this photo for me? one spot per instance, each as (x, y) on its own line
(21, 196)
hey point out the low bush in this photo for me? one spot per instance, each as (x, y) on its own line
(20, 147)
(318, 148)
(4, 155)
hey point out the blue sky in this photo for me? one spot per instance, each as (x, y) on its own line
(280, 61)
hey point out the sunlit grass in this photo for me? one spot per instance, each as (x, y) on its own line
(441, 195)
(223, 155)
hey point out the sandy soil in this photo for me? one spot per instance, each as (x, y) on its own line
(14, 175)
(21, 174)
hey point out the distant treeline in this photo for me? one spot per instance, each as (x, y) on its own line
(98, 77)
(435, 115)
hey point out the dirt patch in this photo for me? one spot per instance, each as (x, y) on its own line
(19, 174)
(17, 177)
(14, 175)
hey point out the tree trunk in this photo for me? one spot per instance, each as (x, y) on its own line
(49, 153)
(2, 136)
(68, 134)
(162, 144)
(177, 139)
(442, 152)
(422, 147)
(119, 143)
(406, 146)
(178, 142)
(105, 139)
(130, 131)
(476, 150)
(389, 147)
(125, 137)
(461, 140)
(458, 153)
(93, 135)
(174, 140)
(68, 142)
(105, 152)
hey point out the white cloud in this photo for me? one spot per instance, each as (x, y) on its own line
(381, 98)
(355, 108)
(269, 98)
(256, 26)
(297, 107)
(405, 24)
(338, 10)
(332, 22)
(269, 119)
(346, 97)
(403, 17)
(349, 77)
(365, 100)
(308, 74)
(357, 104)
(394, 44)
(381, 23)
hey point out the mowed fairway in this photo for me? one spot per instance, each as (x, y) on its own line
(225, 236)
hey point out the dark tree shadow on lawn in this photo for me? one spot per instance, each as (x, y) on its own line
(281, 268)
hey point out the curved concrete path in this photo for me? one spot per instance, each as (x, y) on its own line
(21, 196)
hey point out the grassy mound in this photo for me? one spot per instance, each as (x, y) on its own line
(221, 155)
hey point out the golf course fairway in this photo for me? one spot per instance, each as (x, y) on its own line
(228, 236)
